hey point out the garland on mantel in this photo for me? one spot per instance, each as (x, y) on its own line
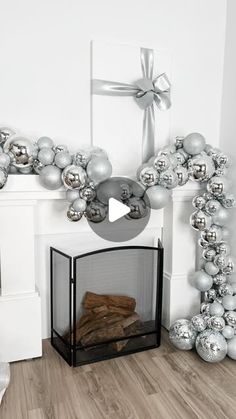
(213, 331)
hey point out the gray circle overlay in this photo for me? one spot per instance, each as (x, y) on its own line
(130, 193)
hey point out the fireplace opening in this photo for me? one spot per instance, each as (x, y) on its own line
(106, 303)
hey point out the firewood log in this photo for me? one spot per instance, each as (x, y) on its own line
(92, 300)
(101, 335)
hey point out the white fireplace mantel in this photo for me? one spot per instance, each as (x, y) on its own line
(32, 218)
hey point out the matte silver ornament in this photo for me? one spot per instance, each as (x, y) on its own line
(194, 143)
(199, 202)
(212, 206)
(81, 158)
(99, 169)
(228, 200)
(216, 309)
(4, 160)
(79, 205)
(26, 170)
(46, 156)
(202, 281)
(21, 151)
(96, 212)
(220, 261)
(63, 159)
(74, 177)
(88, 193)
(168, 179)
(231, 350)
(228, 332)
(182, 334)
(3, 177)
(72, 195)
(158, 196)
(73, 215)
(229, 302)
(221, 217)
(199, 323)
(201, 168)
(211, 268)
(212, 235)
(217, 185)
(182, 174)
(211, 346)
(44, 142)
(148, 176)
(50, 177)
(200, 221)
(230, 318)
(60, 148)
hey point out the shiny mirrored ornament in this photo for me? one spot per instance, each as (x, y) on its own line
(88, 193)
(209, 254)
(81, 158)
(212, 235)
(212, 206)
(158, 197)
(202, 281)
(225, 289)
(99, 169)
(180, 158)
(161, 163)
(230, 267)
(205, 308)
(26, 170)
(179, 142)
(63, 159)
(210, 295)
(44, 142)
(199, 202)
(21, 151)
(3, 177)
(194, 143)
(230, 318)
(201, 168)
(73, 215)
(148, 176)
(221, 160)
(182, 174)
(96, 212)
(50, 177)
(220, 261)
(218, 185)
(138, 208)
(4, 160)
(168, 179)
(182, 334)
(203, 243)
(199, 323)
(228, 200)
(211, 346)
(37, 166)
(74, 177)
(126, 191)
(5, 134)
(216, 323)
(200, 221)
(223, 248)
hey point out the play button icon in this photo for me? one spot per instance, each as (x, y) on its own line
(116, 209)
(120, 211)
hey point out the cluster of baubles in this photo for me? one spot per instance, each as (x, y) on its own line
(213, 331)
(79, 173)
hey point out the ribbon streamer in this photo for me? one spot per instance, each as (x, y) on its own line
(146, 92)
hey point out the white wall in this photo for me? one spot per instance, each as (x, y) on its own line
(45, 60)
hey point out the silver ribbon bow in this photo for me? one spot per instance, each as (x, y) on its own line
(146, 92)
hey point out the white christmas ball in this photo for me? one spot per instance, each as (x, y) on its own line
(194, 143)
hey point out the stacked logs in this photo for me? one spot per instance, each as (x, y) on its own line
(106, 317)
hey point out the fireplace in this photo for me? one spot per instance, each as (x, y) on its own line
(105, 303)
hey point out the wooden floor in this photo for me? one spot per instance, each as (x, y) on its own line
(161, 383)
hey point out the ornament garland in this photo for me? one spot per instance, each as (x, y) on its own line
(213, 331)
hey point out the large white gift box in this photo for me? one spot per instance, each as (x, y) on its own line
(117, 121)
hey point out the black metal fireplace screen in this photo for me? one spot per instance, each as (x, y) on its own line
(106, 303)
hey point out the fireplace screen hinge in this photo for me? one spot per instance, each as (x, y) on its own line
(72, 280)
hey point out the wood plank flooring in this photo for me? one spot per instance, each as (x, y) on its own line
(158, 384)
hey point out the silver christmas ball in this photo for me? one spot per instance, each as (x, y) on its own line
(221, 217)
(88, 193)
(203, 243)
(99, 169)
(210, 295)
(138, 189)
(4, 160)
(212, 235)
(179, 142)
(148, 176)
(201, 168)
(37, 166)
(202, 281)
(46, 156)
(138, 208)
(72, 195)
(168, 179)
(96, 152)
(205, 308)
(21, 151)
(225, 289)
(211, 346)
(211, 268)
(216, 323)
(200, 221)
(182, 334)
(230, 318)
(3, 177)
(220, 261)
(126, 191)
(60, 148)
(179, 157)
(217, 185)
(228, 200)
(209, 254)
(194, 143)
(199, 202)
(199, 323)
(158, 196)
(81, 158)
(26, 170)
(161, 163)
(5, 133)
(228, 332)
(63, 159)
(229, 302)
(96, 212)
(223, 248)
(212, 206)
(50, 177)
(216, 309)
(74, 177)
(221, 160)
(230, 267)
(73, 215)
(167, 150)
(79, 205)
(182, 174)
(44, 142)
(12, 170)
